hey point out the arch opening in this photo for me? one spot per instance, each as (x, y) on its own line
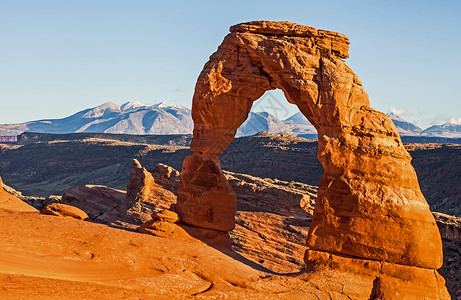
(273, 113)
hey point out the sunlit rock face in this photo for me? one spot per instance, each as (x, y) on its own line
(369, 202)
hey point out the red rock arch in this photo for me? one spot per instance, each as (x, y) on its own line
(369, 201)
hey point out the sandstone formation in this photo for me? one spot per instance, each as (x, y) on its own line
(59, 166)
(166, 215)
(63, 258)
(369, 203)
(262, 239)
(11, 202)
(167, 177)
(144, 192)
(205, 198)
(166, 224)
(140, 184)
(449, 226)
(271, 222)
(59, 209)
(119, 208)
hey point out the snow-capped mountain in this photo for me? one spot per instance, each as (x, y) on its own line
(130, 118)
(162, 118)
(448, 130)
(298, 124)
(298, 118)
(404, 127)
(131, 105)
(260, 121)
(264, 121)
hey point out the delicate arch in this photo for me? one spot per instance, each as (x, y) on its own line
(369, 201)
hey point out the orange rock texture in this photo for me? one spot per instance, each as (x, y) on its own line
(64, 210)
(369, 202)
(13, 203)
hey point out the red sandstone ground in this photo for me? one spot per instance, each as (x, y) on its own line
(49, 257)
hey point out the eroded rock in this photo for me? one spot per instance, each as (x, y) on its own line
(205, 198)
(119, 208)
(167, 177)
(369, 202)
(166, 215)
(144, 196)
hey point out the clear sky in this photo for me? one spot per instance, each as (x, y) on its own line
(59, 57)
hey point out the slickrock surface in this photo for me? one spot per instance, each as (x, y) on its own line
(11, 202)
(166, 215)
(261, 240)
(65, 258)
(369, 203)
(59, 209)
(101, 203)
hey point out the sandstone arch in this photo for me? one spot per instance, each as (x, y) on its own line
(369, 201)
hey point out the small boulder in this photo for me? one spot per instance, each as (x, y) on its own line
(166, 215)
(163, 229)
(59, 209)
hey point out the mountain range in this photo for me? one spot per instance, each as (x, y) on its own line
(137, 118)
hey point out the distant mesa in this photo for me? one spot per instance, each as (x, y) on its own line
(8, 139)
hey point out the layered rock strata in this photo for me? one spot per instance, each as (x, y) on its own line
(369, 202)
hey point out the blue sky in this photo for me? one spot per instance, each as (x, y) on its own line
(59, 57)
